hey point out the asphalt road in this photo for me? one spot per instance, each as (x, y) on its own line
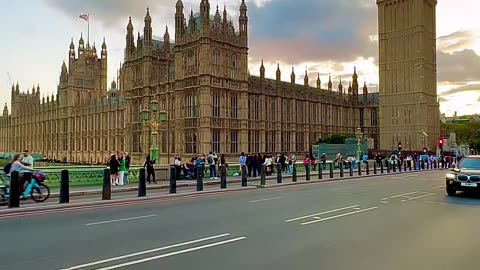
(388, 222)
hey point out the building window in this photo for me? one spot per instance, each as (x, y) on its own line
(254, 108)
(191, 106)
(216, 105)
(285, 142)
(234, 106)
(135, 142)
(254, 142)
(191, 61)
(361, 118)
(300, 142)
(233, 67)
(216, 62)
(191, 141)
(270, 143)
(216, 141)
(373, 118)
(234, 141)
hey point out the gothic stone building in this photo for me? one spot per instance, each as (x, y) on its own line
(202, 82)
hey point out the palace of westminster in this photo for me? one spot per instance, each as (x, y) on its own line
(211, 101)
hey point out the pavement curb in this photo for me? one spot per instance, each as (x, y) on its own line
(163, 197)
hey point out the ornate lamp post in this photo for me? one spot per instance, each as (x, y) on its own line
(359, 143)
(163, 119)
(150, 118)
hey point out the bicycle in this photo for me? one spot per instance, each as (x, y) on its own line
(35, 189)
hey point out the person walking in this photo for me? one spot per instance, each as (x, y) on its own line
(306, 162)
(243, 163)
(268, 164)
(114, 166)
(211, 159)
(150, 169)
(127, 167)
(121, 169)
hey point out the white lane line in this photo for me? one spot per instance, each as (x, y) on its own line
(418, 197)
(119, 220)
(439, 187)
(385, 202)
(264, 200)
(322, 213)
(172, 254)
(402, 195)
(337, 216)
(146, 252)
(335, 189)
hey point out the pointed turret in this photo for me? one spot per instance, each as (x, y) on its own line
(179, 20)
(292, 76)
(262, 71)
(319, 82)
(279, 73)
(38, 89)
(191, 23)
(5, 110)
(340, 87)
(218, 17)
(104, 49)
(355, 85)
(204, 16)
(306, 80)
(350, 88)
(139, 41)
(166, 40)
(17, 88)
(81, 45)
(147, 31)
(130, 39)
(330, 84)
(365, 92)
(225, 19)
(243, 22)
(71, 52)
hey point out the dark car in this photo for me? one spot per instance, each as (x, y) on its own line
(465, 176)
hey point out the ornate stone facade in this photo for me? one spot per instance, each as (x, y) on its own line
(409, 109)
(202, 82)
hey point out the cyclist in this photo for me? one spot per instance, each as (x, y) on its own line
(17, 166)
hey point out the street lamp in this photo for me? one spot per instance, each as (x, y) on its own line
(150, 117)
(163, 119)
(359, 142)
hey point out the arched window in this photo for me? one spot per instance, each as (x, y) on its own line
(216, 62)
(234, 66)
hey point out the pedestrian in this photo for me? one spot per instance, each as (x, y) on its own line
(243, 163)
(150, 169)
(121, 169)
(114, 166)
(177, 162)
(268, 164)
(223, 166)
(260, 162)
(211, 164)
(323, 159)
(306, 162)
(314, 164)
(27, 159)
(249, 165)
(127, 167)
(254, 165)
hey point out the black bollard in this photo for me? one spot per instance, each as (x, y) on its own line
(294, 173)
(399, 167)
(107, 185)
(410, 165)
(279, 173)
(307, 173)
(320, 171)
(375, 167)
(199, 178)
(142, 183)
(263, 179)
(359, 164)
(404, 166)
(350, 168)
(173, 180)
(64, 187)
(388, 167)
(223, 177)
(244, 176)
(394, 167)
(381, 167)
(368, 168)
(14, 200)
(341, 170)
(331, 170)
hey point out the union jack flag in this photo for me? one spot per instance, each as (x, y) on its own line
(84, 17)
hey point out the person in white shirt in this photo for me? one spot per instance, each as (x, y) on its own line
(27, 160)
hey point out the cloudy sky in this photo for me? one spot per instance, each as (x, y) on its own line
(324, 35)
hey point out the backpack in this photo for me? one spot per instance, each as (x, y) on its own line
(7, 168)
(210, 159)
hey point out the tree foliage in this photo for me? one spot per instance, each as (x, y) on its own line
(466, 132)
(334, 139)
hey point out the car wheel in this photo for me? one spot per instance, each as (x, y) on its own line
(451, 191)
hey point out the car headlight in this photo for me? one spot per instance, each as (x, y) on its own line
(451, 176)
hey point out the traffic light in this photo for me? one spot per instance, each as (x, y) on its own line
(440, 143)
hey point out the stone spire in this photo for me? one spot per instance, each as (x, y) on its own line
(262, 71)
(340, 87)
(292, 76)
(319, 82)
(279, 73)
(305, 78)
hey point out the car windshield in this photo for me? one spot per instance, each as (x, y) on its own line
(470, 164)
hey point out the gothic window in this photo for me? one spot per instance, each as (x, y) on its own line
(135, 143)
(216, 62)
(216, 105)
(254, 142)
(234, 141)
(191, 109)
(234, 107)
(216, 141)
(191, 141)
(234, 66)
(361, 118)
(191, 61)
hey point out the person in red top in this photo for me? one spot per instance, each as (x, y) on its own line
(306, 162)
